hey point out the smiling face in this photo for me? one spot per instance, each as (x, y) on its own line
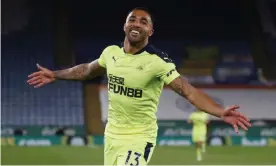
(138, 26)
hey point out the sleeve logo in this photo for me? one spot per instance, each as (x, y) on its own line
(166, 58)
(170, 72)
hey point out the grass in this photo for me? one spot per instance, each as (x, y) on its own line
(61, 155)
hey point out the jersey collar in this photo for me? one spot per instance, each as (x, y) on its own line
(147, 48)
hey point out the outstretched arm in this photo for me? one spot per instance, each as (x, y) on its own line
(195, 96)
(165, 70)
(202, 101)
(80, 72)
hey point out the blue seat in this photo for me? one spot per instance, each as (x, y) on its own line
(55, 104)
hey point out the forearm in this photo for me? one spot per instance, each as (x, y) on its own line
(202, 101)
(195, 96)
(79, 72)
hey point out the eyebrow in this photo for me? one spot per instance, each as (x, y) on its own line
(132, 16)
(143, 18)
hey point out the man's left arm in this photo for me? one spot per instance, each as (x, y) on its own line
(195, 96)
(166, 72)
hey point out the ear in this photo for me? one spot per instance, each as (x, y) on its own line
(124, 27)
(151, 32)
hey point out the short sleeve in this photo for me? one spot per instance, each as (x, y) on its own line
(191, 117)
(102, 58)
(165, 69)
(206, 117)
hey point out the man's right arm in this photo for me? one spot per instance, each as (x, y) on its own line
(80, 72)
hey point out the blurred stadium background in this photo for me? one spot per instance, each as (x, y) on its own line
(226, 48)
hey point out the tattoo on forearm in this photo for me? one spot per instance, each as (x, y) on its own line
(181, 86)
(196, 97)
(79, 72)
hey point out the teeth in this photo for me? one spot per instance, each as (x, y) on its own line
(136, 32)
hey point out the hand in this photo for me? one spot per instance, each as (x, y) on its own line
(42, 77)
(235, 118)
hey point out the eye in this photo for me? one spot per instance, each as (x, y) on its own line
(131, 20)
(144, 22)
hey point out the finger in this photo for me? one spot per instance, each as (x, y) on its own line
(34, 74)
(36, 82)
(245, 122)
(241, 116)
(33, 79)
(40, 67)
(232, 108)
(236, 128)
(39, 85)
(236, 113)
(245, 118)
(242, 125)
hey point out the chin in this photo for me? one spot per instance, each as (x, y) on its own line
(134, 40)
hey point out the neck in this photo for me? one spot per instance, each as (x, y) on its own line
(133, 48)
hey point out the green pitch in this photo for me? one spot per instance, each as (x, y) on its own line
(162, 155)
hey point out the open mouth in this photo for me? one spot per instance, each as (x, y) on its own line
(134, 32)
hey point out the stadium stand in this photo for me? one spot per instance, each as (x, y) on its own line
(56, 104)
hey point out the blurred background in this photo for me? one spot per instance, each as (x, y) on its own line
(226, 48)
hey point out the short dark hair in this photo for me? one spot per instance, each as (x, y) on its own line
(145, 10)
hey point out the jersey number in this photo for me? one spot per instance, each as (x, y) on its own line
(137, 156)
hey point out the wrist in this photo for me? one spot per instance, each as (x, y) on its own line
(220, 113)
(54, 75)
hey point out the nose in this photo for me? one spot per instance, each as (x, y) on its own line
(137, 23)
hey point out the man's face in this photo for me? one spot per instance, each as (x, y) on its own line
(138, 26)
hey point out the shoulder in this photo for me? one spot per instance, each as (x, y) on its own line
(159, 54)
(206, 115)
(111, 48)
(191, 115)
